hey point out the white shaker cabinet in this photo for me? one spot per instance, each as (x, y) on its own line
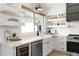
(50, 45)
(47, 46)
(7, 51)
(60, 43)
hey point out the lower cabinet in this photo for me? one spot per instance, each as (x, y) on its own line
(60, 43)
(27, 49)
(47, 46)
(22, 50)
(7, 50)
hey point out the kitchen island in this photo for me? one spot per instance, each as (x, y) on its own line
(8, 48)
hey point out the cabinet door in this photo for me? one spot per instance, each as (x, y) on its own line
(56, 44)
(72, 12)
(73, 8)
(45, 50)
(7, 51)
(47, 45)
(50, 45)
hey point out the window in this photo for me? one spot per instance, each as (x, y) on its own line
(28, 27)
(29, 22)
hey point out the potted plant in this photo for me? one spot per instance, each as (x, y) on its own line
(14, 34)
(14, 37)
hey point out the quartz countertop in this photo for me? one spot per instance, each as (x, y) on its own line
(25, 40)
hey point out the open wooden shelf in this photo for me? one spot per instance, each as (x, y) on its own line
(32, 10)
(53, 20)
(63, 26)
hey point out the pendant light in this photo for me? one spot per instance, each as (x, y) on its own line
(39, 8)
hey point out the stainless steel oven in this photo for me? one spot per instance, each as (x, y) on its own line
(73, 46)
(73, 43)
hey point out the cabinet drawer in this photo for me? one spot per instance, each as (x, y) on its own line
(46, 43)
(47, 40)
(62, 49)
(62, 39)
(63, 46)
(62, 42)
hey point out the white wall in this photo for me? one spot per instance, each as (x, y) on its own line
(62, 31)
(1, 34)
(5, 17)
(57, 8)
(10, 29)
(74, 27)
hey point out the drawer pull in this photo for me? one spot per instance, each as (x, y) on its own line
(48, 42)
(62, 48)
(62, 42)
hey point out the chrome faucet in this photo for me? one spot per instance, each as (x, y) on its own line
(7, 33)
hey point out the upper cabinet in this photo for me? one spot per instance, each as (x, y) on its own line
(72, 4)
(72, 12)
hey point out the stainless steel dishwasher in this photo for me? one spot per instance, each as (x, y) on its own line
(36, 48)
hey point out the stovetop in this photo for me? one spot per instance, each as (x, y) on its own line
(73, 37)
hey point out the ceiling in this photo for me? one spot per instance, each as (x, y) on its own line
(47, 6)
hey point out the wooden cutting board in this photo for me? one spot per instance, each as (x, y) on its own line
(14, 39)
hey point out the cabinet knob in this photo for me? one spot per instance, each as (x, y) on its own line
(48, 42)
